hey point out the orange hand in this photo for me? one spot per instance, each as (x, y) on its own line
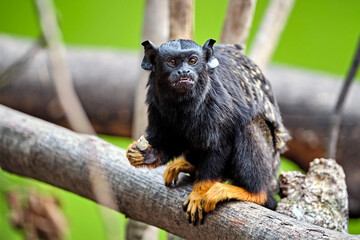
(133, 154)
(173, 169)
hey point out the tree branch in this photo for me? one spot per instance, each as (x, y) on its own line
(181, 19)
(271, 27)
(33, 148)
(100, 77)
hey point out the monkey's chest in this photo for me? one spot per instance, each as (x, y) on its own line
(194, 132)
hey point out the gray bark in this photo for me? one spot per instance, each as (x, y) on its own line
(37, 149)
(319, 197)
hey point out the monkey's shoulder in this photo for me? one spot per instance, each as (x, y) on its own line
(234, 54)
(238, 72)
(238, 66)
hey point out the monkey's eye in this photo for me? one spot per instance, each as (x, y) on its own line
(171, 62)
(192, 60)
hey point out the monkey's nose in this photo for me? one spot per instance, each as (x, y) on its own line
(184, 72)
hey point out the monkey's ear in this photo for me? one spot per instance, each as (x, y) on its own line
(211, 60)
(151, 50)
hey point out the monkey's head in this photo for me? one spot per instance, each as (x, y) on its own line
(180, 66)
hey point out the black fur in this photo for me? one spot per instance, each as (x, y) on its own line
(219, 113)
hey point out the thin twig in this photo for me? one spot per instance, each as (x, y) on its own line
(60, 71)
(335, 118)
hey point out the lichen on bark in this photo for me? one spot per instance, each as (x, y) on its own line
(320, 197)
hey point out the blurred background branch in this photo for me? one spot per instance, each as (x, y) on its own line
(238, 21)
(335, 119)
(271, 28)
(60, 73)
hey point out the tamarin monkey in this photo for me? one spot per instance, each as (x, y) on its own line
(211, 113)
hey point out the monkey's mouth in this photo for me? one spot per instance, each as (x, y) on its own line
(183, 85)
(185, 80)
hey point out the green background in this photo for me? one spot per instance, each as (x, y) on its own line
(320, 35)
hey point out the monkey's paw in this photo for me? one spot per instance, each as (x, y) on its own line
(134, 155)
(194, 205)
(173, 169)
(141, 154)
(193, 208)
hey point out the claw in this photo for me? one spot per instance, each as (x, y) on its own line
(185, 205)
(188, 217)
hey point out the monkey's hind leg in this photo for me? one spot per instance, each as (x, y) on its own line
(220, 192)
(173, 169)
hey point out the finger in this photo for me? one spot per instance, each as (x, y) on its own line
(193, 216)
(201, 216)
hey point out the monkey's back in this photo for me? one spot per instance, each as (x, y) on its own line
(256, 92)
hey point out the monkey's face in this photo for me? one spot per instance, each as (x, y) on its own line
(179, 66)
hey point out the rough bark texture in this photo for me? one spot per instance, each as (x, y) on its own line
(238, 21)
(41, 150)
(319, 198)
(181, 19)
(105, 82)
